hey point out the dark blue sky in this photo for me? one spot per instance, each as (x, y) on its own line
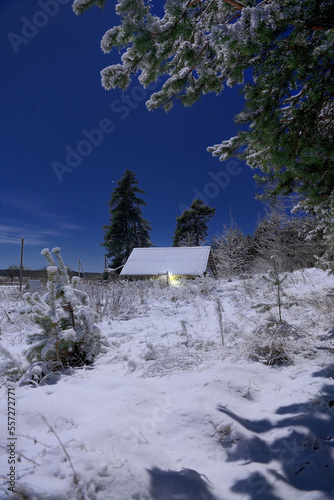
(55, 113)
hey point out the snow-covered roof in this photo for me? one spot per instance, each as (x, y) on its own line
(186, 261)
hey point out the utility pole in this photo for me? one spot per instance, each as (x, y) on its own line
(21, 264)
(81, 269)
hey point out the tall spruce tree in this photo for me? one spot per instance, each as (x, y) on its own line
(127, 228)
(192, 225)
(280, 51)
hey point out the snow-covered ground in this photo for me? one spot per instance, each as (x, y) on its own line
(169, 412)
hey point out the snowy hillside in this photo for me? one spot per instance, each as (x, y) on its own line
(188, 402)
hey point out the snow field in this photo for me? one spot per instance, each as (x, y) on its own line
(168, 412)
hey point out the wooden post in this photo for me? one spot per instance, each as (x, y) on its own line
(167, 277)
(21, 264)
(80, 267)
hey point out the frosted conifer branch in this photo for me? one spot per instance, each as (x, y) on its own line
(75, 281)
(80, 6)
(47, 254)
(52, 283)
(61, 266)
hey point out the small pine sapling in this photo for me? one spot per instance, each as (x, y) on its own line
(219, 312)
(274, 278)
(68, 334)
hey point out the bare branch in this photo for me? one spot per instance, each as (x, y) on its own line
(234, 3)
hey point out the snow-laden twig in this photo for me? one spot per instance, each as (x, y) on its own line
(75, 477)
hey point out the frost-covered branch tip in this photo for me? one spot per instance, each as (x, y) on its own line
(80, 6)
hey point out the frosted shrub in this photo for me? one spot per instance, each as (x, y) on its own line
(115, 299)
(273, 352)
(270, 343)
(121, 299)
(68, 335)
(201, 286)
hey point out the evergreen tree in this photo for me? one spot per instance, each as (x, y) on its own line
(280, 51)
(192, 225)
(127, 229)
(68, 334)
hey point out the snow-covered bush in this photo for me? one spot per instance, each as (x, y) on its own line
(272, 353)
(269, 344)
(68, 335)
(113, 300)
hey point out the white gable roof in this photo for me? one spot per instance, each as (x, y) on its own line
(176, 260)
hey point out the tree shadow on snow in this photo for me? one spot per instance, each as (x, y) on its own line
(256, 486)
(186, 484)
(326, 372)
(303, 456)
(329, 335)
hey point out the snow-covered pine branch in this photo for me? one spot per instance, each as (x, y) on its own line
(280, 52)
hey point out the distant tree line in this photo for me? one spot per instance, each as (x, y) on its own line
(295, 240)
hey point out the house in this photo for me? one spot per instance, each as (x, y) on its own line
(170, 261)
